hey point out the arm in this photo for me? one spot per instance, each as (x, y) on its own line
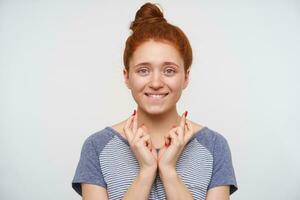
(218, 193)
(141, 145)
(167, 159)
(174, 187)
(139, 189)
(141, 186)
(93, 192)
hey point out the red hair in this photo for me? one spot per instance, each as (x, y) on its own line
(150, 24)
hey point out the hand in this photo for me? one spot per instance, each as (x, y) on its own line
(175, 142)
(141, 145)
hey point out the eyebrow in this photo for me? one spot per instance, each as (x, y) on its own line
(147, 63)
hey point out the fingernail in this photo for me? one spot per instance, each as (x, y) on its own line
(133, 112)
(173, 126)
(185, 114)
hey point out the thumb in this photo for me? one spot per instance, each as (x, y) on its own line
(154, 153)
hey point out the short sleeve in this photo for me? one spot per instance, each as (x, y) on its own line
(223, 171)
(88, 169)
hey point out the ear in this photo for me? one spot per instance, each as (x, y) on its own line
(186, 78)
(126, 77)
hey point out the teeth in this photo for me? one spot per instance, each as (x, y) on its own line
(156, 95)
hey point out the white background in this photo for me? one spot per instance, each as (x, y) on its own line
(61, 80)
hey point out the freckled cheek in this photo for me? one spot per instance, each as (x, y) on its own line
(175, 85)
(138, 85)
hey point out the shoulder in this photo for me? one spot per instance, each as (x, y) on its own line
(98, 140)
(118, 127)
(211, 139)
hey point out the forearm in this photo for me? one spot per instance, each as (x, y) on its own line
(141, 186)
(174, 187)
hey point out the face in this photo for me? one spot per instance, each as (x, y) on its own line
(156, 77)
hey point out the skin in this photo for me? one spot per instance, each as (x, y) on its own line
(156, 67)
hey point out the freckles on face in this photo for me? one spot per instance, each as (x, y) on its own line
(155, 54)
(156, 68)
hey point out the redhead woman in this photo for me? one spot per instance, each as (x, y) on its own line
(156, 153)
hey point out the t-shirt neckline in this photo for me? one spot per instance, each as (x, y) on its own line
(109, 128)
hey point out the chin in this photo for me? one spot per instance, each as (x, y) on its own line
(155, 110)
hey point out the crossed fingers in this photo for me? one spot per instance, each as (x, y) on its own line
(136, 135)
(181, 134)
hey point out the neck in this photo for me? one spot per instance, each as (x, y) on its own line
(158, 125)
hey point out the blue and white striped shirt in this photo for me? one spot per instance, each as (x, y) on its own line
(107, 160)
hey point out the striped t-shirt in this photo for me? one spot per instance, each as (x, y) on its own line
(107, 160)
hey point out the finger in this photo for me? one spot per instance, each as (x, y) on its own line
(180, 133)
(189, 125)
(183, 119)
(150, 144)
(127, 133)
(144, 127)
(145, 141)
(174, 128)
(139, 133)
(186, 128)
(127, 129)
(144, 133)
(167, 137)
(152, 149)
(167, 140)
(135, 123)
(174, 137)
(190, 130)
(128, 121)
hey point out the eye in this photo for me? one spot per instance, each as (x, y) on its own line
(169, 71)
(143, 71)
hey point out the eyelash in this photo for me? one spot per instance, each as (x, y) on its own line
(142, 69)
(170, 69)
(167, 69)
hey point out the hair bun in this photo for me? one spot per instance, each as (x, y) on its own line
(148, 13)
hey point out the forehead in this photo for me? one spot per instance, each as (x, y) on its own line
(156, 52)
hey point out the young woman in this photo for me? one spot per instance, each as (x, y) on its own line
(155, 153)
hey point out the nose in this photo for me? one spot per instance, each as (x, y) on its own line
(156, 81)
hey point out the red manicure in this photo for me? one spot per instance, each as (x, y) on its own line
(166, 143)
(186, 112)
(133, 112)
